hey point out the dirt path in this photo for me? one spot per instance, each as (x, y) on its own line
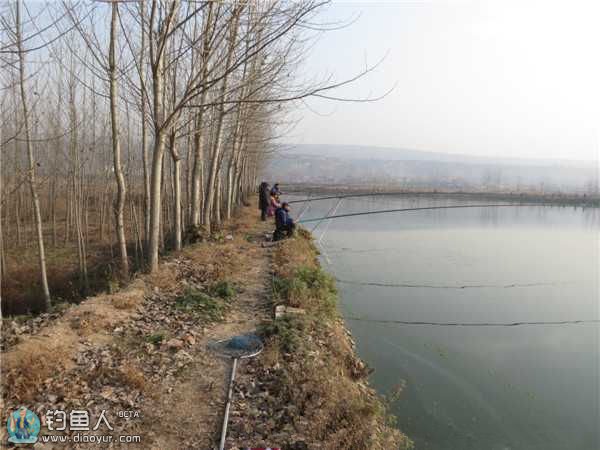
(189, 413)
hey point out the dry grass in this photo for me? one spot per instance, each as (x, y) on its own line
(326, 384)
(27, 365)
(104, 312)
(124, 302)
(297, 252)
(163, 278)
(132, 376)
(41, 356)
(130, 297)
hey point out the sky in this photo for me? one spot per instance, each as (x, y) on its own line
(497, 78)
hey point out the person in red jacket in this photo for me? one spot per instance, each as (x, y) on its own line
(273, 205)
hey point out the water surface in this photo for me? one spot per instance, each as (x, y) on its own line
(474, 387)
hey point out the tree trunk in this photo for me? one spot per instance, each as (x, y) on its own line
(215, 156)
(145, 147)
(77, 191)
(158, 85)
(155, 203)
(32, 164)
(176, 191)
(198, 170)
(116, 146)
(2, 262)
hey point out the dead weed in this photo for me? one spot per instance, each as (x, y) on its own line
(319, 373)
(27, 365)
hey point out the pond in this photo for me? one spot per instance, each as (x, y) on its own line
(486, 319)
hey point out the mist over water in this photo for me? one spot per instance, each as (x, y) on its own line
(474, 387)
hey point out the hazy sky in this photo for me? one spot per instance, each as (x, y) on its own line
(515, 78)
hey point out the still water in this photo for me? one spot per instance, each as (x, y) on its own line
(487, 386)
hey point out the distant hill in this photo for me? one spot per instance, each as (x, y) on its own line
(339, 164)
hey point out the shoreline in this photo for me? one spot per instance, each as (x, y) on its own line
(556, 199)
(313, 381)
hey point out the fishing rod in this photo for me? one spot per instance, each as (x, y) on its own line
(473, 324)
(424, 208)
(374, 194)
(449, 286)
(345, 196)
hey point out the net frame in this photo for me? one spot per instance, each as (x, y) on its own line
(221, 347)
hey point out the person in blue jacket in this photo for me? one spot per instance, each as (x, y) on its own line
(275, 190)
(284, 224)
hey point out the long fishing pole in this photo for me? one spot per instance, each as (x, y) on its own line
(329, 197)
(450, 286)
(375, 194)
(473, 324)
(360, 194)
(425, 208)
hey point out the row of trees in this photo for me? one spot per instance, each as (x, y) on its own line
(128, 123)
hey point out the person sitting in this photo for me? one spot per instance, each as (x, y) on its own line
(273, 205)
(284, 224)
(275, 190)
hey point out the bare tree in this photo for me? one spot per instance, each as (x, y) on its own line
(161, 24)
(116, 145)
(32, 163)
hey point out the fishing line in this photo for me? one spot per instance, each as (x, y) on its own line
(306, 207)
(321, 219)
(425, 208)
(324, 253)
(441, 286)
(472, 324)
(319, 242)
(339, 203)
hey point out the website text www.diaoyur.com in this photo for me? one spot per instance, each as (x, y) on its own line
(90, 439)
